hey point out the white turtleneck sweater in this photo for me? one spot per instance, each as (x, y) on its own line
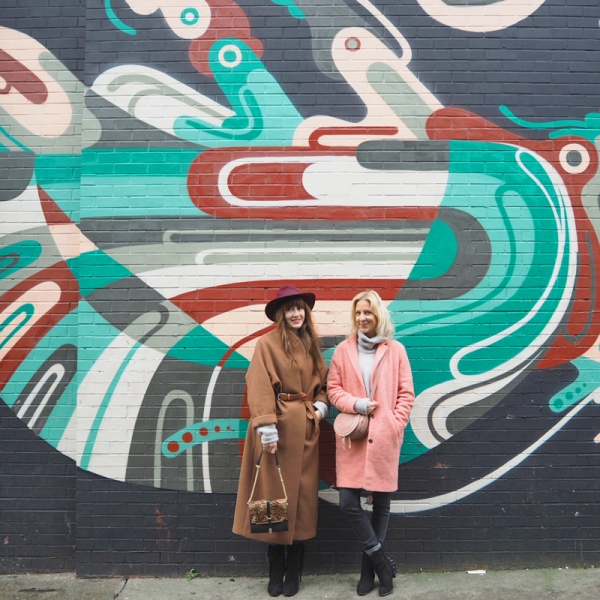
(367, 347)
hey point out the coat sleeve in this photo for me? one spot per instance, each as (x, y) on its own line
(339, 397)
(406, 393)
(261, 387)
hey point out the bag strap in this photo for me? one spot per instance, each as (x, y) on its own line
(257, 471)
(372, 394)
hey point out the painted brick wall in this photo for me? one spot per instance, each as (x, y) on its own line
(165, 167)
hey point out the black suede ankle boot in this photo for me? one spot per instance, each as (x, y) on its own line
(366, 583)
(385, 572)
(276, 569)
(293, 569)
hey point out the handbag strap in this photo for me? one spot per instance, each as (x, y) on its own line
(372, 394)
(257, 471)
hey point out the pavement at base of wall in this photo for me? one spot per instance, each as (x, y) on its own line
(542, 584)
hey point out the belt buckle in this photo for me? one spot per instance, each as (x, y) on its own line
(279, 396)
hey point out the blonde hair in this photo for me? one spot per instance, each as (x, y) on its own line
(307, 333)
(385, 327)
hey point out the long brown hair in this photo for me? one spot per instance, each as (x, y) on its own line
(307, 332)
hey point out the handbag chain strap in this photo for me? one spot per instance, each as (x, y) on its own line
(257, 471)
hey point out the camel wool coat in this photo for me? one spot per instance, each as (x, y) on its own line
(269, 374)
(372, 463)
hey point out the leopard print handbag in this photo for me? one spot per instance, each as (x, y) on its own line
(268, 516)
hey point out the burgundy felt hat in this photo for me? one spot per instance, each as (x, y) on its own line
(285, 292)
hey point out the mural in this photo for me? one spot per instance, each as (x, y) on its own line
(215, 151)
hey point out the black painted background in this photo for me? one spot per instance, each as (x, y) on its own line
(544, 513)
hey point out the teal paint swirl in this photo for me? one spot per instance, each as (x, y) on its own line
(587, 381)
(116, 21)
(512, 195)
(27, 310)
(264, 114)
(294, 10)
(203, 432)
(589, 128)
(17, 256)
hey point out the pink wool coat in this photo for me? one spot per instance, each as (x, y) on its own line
(372, 463)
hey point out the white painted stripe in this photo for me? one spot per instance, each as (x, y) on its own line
(58, 370)
(22, 213)
(94, 386)
(113, 442)
(68, 441)
(243, 266)
(482, 18)
(205, 417)
(342, 181)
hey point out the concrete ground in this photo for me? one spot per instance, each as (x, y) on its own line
(542, 584)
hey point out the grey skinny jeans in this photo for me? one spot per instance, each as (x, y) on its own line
(370, 532)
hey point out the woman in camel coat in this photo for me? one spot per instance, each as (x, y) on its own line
(286, 384)
(370, 374)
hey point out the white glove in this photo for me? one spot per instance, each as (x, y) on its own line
(268, 434)
(360, 406)
(322, 408)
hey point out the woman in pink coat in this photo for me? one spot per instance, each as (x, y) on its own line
(370, 375)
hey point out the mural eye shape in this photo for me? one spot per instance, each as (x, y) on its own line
(574, 158)
(190, 16)
(230, 56)
(352, 44)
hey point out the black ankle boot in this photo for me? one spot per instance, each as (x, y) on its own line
(293, 569)
(276, 569)
(385, 572)
(366, 582)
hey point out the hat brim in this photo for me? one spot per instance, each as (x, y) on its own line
(271, 307)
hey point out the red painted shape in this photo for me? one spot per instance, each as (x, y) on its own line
(20, 78)
(277, 181)
(173, 447)
(203, 431)
(582, 327)
(244, 414)
(227, 20)
(218, 429)
(459, 124)
(53, 213)
(187, 437)
(204, 304)
(203, 187)
(62, 276)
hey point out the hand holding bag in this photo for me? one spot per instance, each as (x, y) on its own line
(268, 516)
(354, 426)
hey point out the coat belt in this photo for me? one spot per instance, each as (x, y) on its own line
(301, 397)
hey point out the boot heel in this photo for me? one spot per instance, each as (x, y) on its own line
(293, 569)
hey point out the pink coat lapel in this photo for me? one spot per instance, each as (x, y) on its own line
(352, 350)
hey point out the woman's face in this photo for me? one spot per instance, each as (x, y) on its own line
(366, 321)
(294, 317)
